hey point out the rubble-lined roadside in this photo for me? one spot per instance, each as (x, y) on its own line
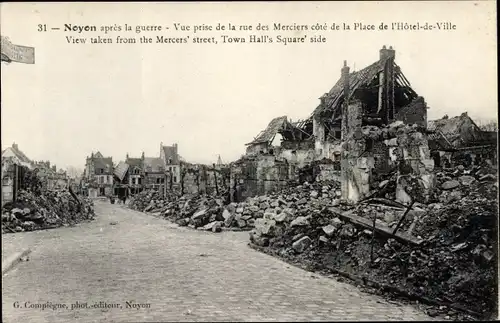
(443, 251)
(51, 209)
(206, 212)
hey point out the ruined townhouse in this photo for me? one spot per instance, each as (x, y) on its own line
(172, 164)
(371, 122)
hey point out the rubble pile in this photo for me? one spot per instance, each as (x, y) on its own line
(211, 213)
(444, 250)
(150, 200)
(51, 209)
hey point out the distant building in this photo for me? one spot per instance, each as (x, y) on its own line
(460, 138)
(171, 161)
(154, 173)
(51, 178)
(135, 173)
(99, 175)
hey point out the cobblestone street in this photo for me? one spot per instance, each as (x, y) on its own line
(185, 275)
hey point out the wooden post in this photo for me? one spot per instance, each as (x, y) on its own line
(373, 236)
(404, 216)
(215, 179)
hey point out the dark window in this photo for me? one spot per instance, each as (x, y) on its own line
(338, 134)
(101, 171)
(369, 144)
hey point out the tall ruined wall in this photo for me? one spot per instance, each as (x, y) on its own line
(257, 176)
(205, 180)
(357, 161)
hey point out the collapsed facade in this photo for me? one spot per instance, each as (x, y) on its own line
(371, 122)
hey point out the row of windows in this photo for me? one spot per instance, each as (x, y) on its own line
(137, 171)
(105, 179)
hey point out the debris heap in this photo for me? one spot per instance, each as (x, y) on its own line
(206, 212)
(50, 209)
(442, 251)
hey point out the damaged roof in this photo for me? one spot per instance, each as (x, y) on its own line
(153, 164)
(17, 153)
(272, 129)
(134, 162)
(106, 164)
(356, 79)
(459, 131)
(121, 170)
(171, 153)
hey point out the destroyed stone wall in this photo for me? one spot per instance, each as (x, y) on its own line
(255, 149)
(298, 157)
(328, 172)
(258, 175)
(357, 162)
(202, 179)
(297, 145)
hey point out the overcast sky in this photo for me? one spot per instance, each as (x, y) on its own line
(212, 99)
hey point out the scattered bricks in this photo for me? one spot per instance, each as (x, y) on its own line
(217, 227)
(201, 214)
(300, 221)
(302, 201)
(264, 226)
(226, 214)
(269, 215)
(229, 220)
(449, 185)
(301, 245)
(466, 180)
(241, 223)
(282, 217)
(323, 239)
(264, 206)
(183, 222)
(239, 210)
(336, 222)
(329, 230)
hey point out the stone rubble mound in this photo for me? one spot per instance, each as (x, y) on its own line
(51, 209)
(444, 250)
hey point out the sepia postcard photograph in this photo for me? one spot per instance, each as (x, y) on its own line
(249, 161)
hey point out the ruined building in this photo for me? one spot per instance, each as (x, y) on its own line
(371, 122)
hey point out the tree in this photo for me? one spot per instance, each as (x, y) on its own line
(491, 125)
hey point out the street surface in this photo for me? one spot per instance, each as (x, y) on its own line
(168, 273)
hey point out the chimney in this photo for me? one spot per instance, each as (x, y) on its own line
(14, 145)
(142, 156)
(126, 157)
(345, 79)
(387, 53)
